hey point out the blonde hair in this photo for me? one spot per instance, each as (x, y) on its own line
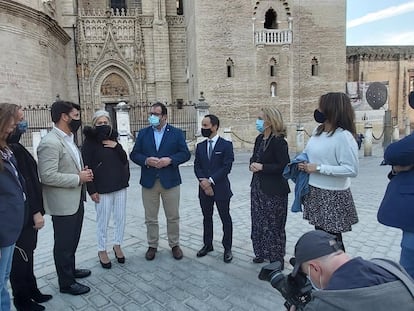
(273, 116)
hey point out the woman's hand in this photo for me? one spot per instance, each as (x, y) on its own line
(38, 220)
(255, 167)
(307, 167)
(95, 197)
(109, 143)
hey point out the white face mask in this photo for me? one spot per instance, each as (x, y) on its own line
(316, 288)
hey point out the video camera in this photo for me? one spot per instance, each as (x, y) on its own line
(296, 290)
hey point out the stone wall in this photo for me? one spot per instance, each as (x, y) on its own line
(394, 64)
(34, 64)
(224, 30)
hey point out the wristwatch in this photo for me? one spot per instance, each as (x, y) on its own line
(318, 168)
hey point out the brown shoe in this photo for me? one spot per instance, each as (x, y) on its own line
(150, 254)
(177, 252)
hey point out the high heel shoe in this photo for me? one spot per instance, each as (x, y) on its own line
(105, 265)
(120, 259)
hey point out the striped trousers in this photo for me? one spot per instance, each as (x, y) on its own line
(111, 203)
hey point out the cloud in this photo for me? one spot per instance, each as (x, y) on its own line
(404, 38)
(397, 39)
(382, 14)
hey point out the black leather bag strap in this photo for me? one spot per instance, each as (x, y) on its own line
(397, 270)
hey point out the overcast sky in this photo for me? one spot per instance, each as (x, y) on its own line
(380, 22)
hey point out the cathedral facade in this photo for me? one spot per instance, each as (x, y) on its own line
(241, 54)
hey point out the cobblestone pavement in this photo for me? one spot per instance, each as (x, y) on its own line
(203, 283)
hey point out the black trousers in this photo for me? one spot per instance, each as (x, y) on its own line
(22, 279)
(67, 231)
(223, 207)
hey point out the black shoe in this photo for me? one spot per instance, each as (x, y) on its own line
(38, 297)
(75, 289)
(204, 250)
(177, 252)
(150, 254)
(120, 259)
(258, 260)
(105, 265)
(228, 256)
(81, 273)
(27, 305)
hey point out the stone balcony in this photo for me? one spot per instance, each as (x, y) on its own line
(273, 37)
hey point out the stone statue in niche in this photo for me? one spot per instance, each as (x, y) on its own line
(273, 90)
(50, 6)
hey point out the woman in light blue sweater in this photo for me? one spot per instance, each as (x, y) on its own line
(333, 158)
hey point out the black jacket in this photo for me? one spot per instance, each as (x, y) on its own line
(274, 160)
(110, 166)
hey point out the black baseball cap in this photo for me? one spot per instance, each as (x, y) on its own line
(312, 245)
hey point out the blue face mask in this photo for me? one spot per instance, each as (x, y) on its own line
(260, 125)
(22, 126)
(154, 120)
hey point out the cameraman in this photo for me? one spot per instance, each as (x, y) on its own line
(344, 283)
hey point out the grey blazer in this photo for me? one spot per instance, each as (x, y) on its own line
(59, 175)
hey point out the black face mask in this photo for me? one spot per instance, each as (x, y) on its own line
(411, 99)
(103, 131)
(206, 132)
(74, 125)
(14, 136)
(319, 116)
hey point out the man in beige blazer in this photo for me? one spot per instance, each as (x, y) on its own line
(62, 175)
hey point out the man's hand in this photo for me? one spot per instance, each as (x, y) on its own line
(95, 197)
(109, 143)
(152, 161)
(163, 162)
(292, 308)
(86, 175)
(204, 183)
(206, 186)
(209, 191)
(38, 220)
(398, 168)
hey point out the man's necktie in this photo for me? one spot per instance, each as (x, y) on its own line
(210, 148)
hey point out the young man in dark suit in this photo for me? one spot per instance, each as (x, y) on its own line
(159, 149)
(213, 161)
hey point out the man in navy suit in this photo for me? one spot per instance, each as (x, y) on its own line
(159, 149)
(213, 161)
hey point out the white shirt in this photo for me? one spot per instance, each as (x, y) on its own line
(338, 157)
(158, 134)
(213, 144)
(214, 141)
